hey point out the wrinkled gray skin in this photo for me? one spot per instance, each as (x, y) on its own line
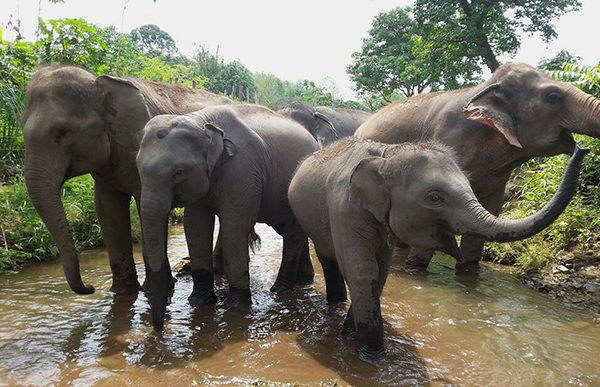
(234, 162)
(76, 123)
(518, 114)
(356, 199)
(326, 124)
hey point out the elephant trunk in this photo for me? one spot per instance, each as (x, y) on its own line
(492, 228)
(586, 115)
(44, 179)
(155, 208)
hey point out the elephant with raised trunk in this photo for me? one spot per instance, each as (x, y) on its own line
(326, 124)
(232, 161)
(518, 114)
(357, 199)
(76, 123)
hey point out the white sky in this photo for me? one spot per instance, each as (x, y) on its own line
(308, 39)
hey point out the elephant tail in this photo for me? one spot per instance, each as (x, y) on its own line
(254, 241)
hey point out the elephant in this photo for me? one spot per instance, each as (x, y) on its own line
(233, 161)
(76, 123)
(518, 114)
(357, 199)
(326, 124)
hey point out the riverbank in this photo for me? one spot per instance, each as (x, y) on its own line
(574, 280)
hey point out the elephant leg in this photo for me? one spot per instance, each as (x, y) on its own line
(384, 257)
(417, 260)
(349, 329)
(295, 244)
(236, 258)
(364, 284)
(218, 256)
(471, 248)
(306, 272)
(112, 208)
(199, 223)
(334, 281)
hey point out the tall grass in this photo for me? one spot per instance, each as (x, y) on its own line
(28, 239)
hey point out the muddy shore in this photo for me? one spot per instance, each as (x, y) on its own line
(573, 280)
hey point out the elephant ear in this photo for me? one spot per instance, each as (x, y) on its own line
(491, 107)
(125, 110)
(323, 117)
(368, 188)
(219, 148)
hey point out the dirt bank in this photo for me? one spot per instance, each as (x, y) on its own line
(573, 280)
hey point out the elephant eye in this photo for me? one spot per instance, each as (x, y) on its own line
(178, 173)
(553, 98)
(434, 197)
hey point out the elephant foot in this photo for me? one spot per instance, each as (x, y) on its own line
(279, 288)
(336, 291)
(469, 267)
(349, 329)
(306, 273)
(371, 355)
(125, 287)
(348, 332)
(197, 299)
(415, 266)
(304, 281)
(204, 288)
(336, 297)
(238, 299)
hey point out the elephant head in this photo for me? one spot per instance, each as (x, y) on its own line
(534, 112)
(71, 123)
(419, 191)
(178, 155)
(317, 123)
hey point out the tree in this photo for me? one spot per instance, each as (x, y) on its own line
(154, 41)
(485, 29)
(314, 95)
(558, 62)
(270, 90)
(398, 58)
(70, 41)
(235, 79)
(122, 56)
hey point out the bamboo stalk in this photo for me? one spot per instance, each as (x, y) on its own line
(4, 238)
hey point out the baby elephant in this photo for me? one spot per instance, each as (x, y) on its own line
(357, 199)
(235, 162)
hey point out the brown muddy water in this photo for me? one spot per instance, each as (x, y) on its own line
(441, 329)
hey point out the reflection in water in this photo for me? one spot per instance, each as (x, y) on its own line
(440, 329)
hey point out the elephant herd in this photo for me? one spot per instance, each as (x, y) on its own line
(411, 176)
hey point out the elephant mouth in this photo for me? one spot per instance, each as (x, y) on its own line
(447, 242)
(566, 135)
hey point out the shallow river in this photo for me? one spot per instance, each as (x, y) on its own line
(441, 329)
